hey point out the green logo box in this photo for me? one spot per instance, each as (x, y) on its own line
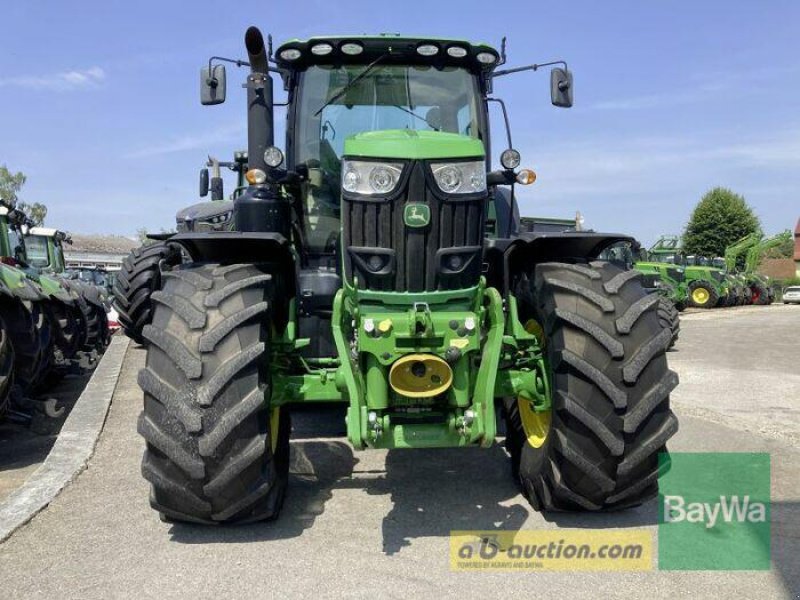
(714, 511)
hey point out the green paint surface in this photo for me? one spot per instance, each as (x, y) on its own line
(413, 145)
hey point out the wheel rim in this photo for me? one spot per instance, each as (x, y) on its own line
(700, 295)
(274, 427)
(536, 425)
(533, 327)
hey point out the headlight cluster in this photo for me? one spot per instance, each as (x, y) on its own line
(461, 177)
(363, 177)
(220, 219)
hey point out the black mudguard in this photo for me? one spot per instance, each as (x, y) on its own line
(506, 257)
(230, 247)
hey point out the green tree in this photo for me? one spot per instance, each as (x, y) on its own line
(10, 184)
(720, 218)
(36, 212)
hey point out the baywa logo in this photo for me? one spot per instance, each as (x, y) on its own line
(730, 509)
(416, 215)
(714, 511)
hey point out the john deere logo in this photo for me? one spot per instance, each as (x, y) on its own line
(417, 215)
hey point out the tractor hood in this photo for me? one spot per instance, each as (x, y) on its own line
(412, 145)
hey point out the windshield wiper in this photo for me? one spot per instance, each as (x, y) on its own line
(351, 83)
(413, 114)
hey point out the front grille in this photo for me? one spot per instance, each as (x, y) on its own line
(383, 254)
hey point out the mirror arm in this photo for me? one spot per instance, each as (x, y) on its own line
(238, 63)
(528, 68)
(505, 118)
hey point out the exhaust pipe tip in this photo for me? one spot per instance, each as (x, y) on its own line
(254, 43)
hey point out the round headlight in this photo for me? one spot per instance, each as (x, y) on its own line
(457, 51)
(478, 181)
(321, 49)
(351, 180)
(273, 156)
(427, 50)
(351, 48)
(510, 159)
(382, 180)
(291, 54)
(449, 179)
(486, 58)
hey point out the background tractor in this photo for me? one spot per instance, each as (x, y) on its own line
(140, 274)
(663, 279)
(359, 271)
(706, 285)
(25, 305)
(84, 327)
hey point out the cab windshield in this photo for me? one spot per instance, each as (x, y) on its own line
(419, 97)
(16, 243)
(36, 249)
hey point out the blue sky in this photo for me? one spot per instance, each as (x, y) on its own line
(99, 101)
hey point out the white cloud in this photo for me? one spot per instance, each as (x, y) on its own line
(202, 141)
(64, 81)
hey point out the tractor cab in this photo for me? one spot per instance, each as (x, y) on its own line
(45, 249)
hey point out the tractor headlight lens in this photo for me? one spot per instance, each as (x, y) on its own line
(510, 159)
(383, 179)
(363, 177)
(427, 50)
(321, 49)
(457, 51)
(291, 54)
(273, 156)
(352, 48)
(486, 58)
(460, 178)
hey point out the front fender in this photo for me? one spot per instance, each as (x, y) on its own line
(235, 247)
(509, 256)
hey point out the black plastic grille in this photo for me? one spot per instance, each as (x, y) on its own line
(384, 254)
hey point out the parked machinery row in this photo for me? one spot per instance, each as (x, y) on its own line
(49, 325)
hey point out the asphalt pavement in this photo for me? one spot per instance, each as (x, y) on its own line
(375, 524)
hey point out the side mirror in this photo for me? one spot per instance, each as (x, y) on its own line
(203, 183)
(212, 85)
(561, 87)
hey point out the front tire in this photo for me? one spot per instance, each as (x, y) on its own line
(216, 451)
(702, 295)
(610, 391)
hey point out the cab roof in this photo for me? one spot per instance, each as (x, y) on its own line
(401, 49)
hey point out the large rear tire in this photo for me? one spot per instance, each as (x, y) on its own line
(216, 451)
(6, 367)
(138, 278)
(24, 323)
(702, 294)
(598, 449)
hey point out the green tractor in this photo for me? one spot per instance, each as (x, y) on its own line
(763, 291)
(84, 328)
(140, 274)
(358, 271)
(29, 307)
(706, 285)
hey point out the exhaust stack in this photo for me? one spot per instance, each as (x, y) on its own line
(260, 132)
